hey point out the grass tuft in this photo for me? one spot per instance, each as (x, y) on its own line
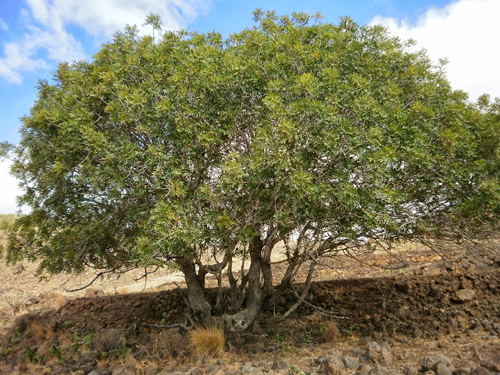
(330, 332)
(207, 341)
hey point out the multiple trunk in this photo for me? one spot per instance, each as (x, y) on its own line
(248, 296)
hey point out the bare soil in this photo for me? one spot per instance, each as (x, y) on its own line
(415, 311)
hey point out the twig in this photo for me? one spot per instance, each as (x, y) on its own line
(161, 325)
(300, 298)
(89, 284)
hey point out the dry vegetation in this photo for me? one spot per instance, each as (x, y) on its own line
(45, 330)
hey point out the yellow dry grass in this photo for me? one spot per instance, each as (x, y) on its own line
(207, 341)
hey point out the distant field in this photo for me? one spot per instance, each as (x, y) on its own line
(7, 218)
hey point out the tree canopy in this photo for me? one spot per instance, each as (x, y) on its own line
(193, 149)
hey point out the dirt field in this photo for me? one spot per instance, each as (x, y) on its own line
(433, 316)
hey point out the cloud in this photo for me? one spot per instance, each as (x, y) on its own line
(99, 17)
(465, 33)
(49, 23)
(8, 190)
(3, 25)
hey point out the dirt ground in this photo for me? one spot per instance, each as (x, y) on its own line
(413, 307)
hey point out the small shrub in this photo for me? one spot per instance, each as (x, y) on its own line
(207, 341)
(329, 332)
(109, 340)
(32, 354)
(283, 345)
(169, 344)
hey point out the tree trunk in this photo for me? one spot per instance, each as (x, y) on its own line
(196, 297)
(245, 318)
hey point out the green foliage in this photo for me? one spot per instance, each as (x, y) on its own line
(32, 355)
(87, 340)
(5, 349)
(121, 350)
(283, 345)
(295, 130)
(495, 305)
(58, 353)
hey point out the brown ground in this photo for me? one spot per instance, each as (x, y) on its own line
(417, 310)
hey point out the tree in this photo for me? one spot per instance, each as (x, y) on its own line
(194, 150)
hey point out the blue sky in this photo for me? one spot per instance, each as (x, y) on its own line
(36, 34)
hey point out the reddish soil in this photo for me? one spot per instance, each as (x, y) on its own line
(433, 305)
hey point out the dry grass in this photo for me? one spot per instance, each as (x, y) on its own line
(169, 344)
(207, 341)
(42, 332)
(133, 366)
(330, 332)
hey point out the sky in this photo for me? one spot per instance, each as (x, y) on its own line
(37, 34)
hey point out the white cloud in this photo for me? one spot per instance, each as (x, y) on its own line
(3, 25)
(106, 17)
(8, 190)
(465, 33)
(49, 22)
(18, 59)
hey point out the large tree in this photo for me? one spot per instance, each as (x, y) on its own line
(194, 150)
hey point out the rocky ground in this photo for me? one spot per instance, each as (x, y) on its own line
(435, 316)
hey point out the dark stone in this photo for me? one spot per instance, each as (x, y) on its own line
(249, 368)
(480, 371)
(442, 369)
(350, 363)
(492, 363)
(251, 339)
(402, 287)
(332, 365)
(430, 362)
(462, 371)
(280, 365)
(380, 370)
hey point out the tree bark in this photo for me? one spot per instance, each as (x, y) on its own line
(241, 320)
(196, 295)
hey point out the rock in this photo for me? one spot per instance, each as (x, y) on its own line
(403, 310)
(318, 361)
(410, 370)
(492, 363)
(442, 369)
(256, 348)
(364, 341)
(280, 365)
(378, 354)
(350, 363)
(379, 370)
(365, 370)
(402, 287)
(249, 368)
(462, 371)
(251, 339)
(464, 295)
(418, 333)
(332, 365)
(357, 352)
(430, 362)
(480, 371)
(385, 344)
